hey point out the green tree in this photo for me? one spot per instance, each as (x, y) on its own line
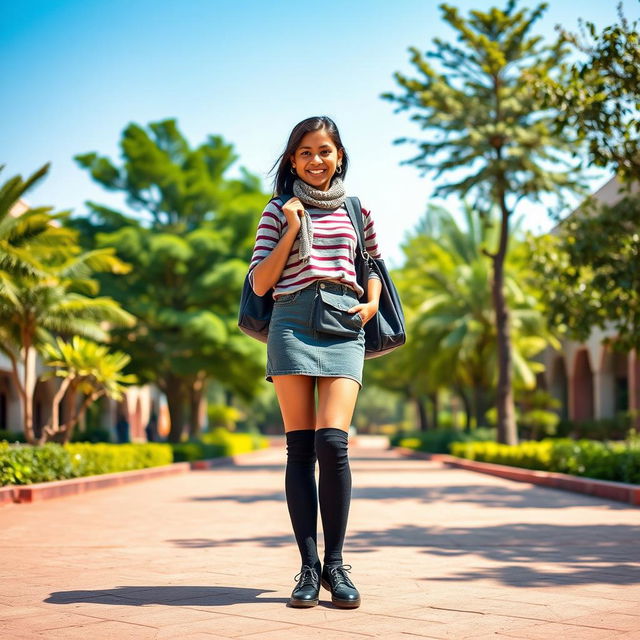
(591, 266)
(50, 293)
(589, 273)
(446, 282)
(190, 240)
(27, 237)
(485, 121)
(598, 94)
(408, 374)
(88, 369)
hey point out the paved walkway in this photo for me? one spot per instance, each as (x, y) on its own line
(436, 553)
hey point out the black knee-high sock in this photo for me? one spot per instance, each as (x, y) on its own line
(302, 494)
(334, 490)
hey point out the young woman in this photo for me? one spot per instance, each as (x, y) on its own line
(305, 250)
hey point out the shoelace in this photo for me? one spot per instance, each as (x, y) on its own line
(338, 575)
(309, 576)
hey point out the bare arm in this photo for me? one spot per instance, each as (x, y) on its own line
(268, 271)
(374, 289)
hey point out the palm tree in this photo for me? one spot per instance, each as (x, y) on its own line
(46, 288)
(86, 368)
(448, 280)
(33, 309)
(27, 237)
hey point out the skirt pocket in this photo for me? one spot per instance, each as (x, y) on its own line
(331, 315)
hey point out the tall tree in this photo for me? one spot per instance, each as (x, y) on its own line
(486, 123)
(446, 283)
(189, 238)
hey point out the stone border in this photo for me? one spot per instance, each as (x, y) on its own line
(620, 491)
(72, 486)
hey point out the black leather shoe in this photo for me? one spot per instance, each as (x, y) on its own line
(308, 588)
(343, 591)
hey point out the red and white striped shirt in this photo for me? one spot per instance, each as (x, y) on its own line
(332, 254)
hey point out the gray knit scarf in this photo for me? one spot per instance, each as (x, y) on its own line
(332, 198)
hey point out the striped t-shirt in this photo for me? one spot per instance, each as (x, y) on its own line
(332, 254)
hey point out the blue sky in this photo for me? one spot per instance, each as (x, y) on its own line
(75, 73)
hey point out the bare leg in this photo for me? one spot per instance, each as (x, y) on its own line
(296, 397)
(336, 402)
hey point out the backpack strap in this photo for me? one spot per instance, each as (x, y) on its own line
(354, 209)
(282, 198)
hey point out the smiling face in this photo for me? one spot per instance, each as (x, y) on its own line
(316, 159)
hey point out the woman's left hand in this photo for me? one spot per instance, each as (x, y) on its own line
(366, 311)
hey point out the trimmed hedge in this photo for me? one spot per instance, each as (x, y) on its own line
(26, 464)
(439, 440)
(216, 443)
(590, 458)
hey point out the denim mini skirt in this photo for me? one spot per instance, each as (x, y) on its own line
(294, 347)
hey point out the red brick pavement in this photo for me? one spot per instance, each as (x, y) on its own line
(437, 552)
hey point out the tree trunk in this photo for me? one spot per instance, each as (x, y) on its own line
(176, 400)
(196, 393)
(49, 430)
(78, 415)
(423, 418)
(479, 404)
(28, 386)
(467, 409)
(19, 386)
(507, 433)
(435, 408)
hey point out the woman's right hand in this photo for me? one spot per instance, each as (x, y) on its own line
(293, 210)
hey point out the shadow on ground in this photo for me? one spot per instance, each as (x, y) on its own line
(178, 596)
(532, 555)
(518, 495)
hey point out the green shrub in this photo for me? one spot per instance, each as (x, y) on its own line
(91, 434)
(188, 451)
(26, 464)
(93, 459)
(538, 422)
(12, 436)
(606, 461)
(233, 441)
(529, 455)
(221, 415)
(216, 443)
(598, 429)
(439, 440)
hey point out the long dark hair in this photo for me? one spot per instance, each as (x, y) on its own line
(283, 182)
